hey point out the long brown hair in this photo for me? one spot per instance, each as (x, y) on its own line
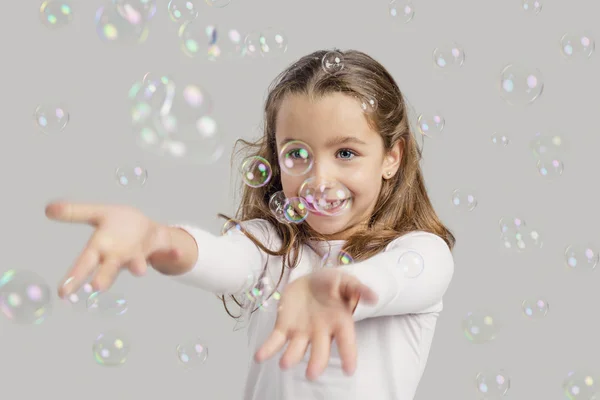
(403, 205)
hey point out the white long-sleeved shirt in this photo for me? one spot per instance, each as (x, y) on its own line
(393, 336)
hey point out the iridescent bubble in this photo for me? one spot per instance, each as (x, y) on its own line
(296, 158)
(296, 210)
(51, 119)
(256, 171)
(535, 308)
(581, 257)
(56, 13)
(182, 11)
(111, 349)
(108, 304)
(196, 39)
(336, 259)
(480, 327)
(25, 297)
(520, 85)
(192, 353)
(449, 56)
(263, 293)
(231, 227)
(368, 104)
(328, 198)
(121, 25)
(516, 235)
(218, 3)
(551, 169)
(276, 205)
(500, 139)
(411, 263)
(464, 200)
(431, 125)
(229, 45)
(547, 146)
(252, 44)
(80, 297)
(131, 176)
(402, 10)
(580, 385)
(577, 45)
(532, 6)
(145, 8)
(332, 62)
(492, 384)
(273, 42)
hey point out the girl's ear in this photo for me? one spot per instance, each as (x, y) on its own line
(391, 162)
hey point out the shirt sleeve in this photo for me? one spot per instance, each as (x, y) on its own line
(228, 263)
(399, 293)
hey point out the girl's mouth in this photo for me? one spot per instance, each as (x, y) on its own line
(328, 208)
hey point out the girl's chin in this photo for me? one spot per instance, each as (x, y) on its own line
(326, 225)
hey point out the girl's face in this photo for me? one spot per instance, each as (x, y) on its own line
(344, 149)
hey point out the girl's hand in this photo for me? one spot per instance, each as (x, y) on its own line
(124, 237)
(315, 309)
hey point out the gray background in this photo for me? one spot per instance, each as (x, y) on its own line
(92, 78)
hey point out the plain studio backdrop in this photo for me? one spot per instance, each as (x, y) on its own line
(72, 66)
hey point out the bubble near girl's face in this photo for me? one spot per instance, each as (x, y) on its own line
(256, 171)
(296, 158)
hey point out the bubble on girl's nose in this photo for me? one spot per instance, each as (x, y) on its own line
(533, 7)
(431, 125)
(577, 46)
(520, 85)
(464, 199)
(492, 384)
(535, 308)
(480, 327)
(196, 39)
(107, 304)
(581, 257)
(296, 158)
(111, 349)
(256, 171)
(411, 264)
(273, 42)
(145, 8)
(277, 206)
(182, 11)
(296, 210)
(330, 198)
(500, 140)
(56, 13)
(402, 10)
(580, 385)
(24, 297)
(131, 176)
(192, 353)
(121, 24)
(51, 119)
(448, 56)
(80, 297)
(332, 62)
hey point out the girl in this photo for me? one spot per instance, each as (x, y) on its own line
(381, 320)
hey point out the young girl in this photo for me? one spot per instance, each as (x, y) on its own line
(381, 319)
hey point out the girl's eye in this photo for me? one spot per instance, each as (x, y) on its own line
(346, 154)
(297, 153)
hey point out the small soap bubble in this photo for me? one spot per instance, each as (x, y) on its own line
(120, 25)
(182, 11)
(231, 227)
(431, 125)
(196, 39)
(516, 235)
(192, 353)
(111, 349)
(218, 3)
(25, 297)
(325, 197)
(480, 327)
(464, 200)
(535, 308)
(56, 13)
(580, 385)
(146, 9)
(273, 42)
(131, 177)
(296, 158)
(80, 297)
(500, 140)
(577, 45)
(368, 104)
(402, 10)
(449, 56)
(411, 263)
(51, 119)
(547, 146)
(532, 7)
(296, 210)
(229, 45)
(492, 385)
(336, 259)
(581, 258)
(520, 85)
(263, 293)
(276, 206)
(252, 45)
(107, 304)
(332, 62)
(256, 171)
(550, 169)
